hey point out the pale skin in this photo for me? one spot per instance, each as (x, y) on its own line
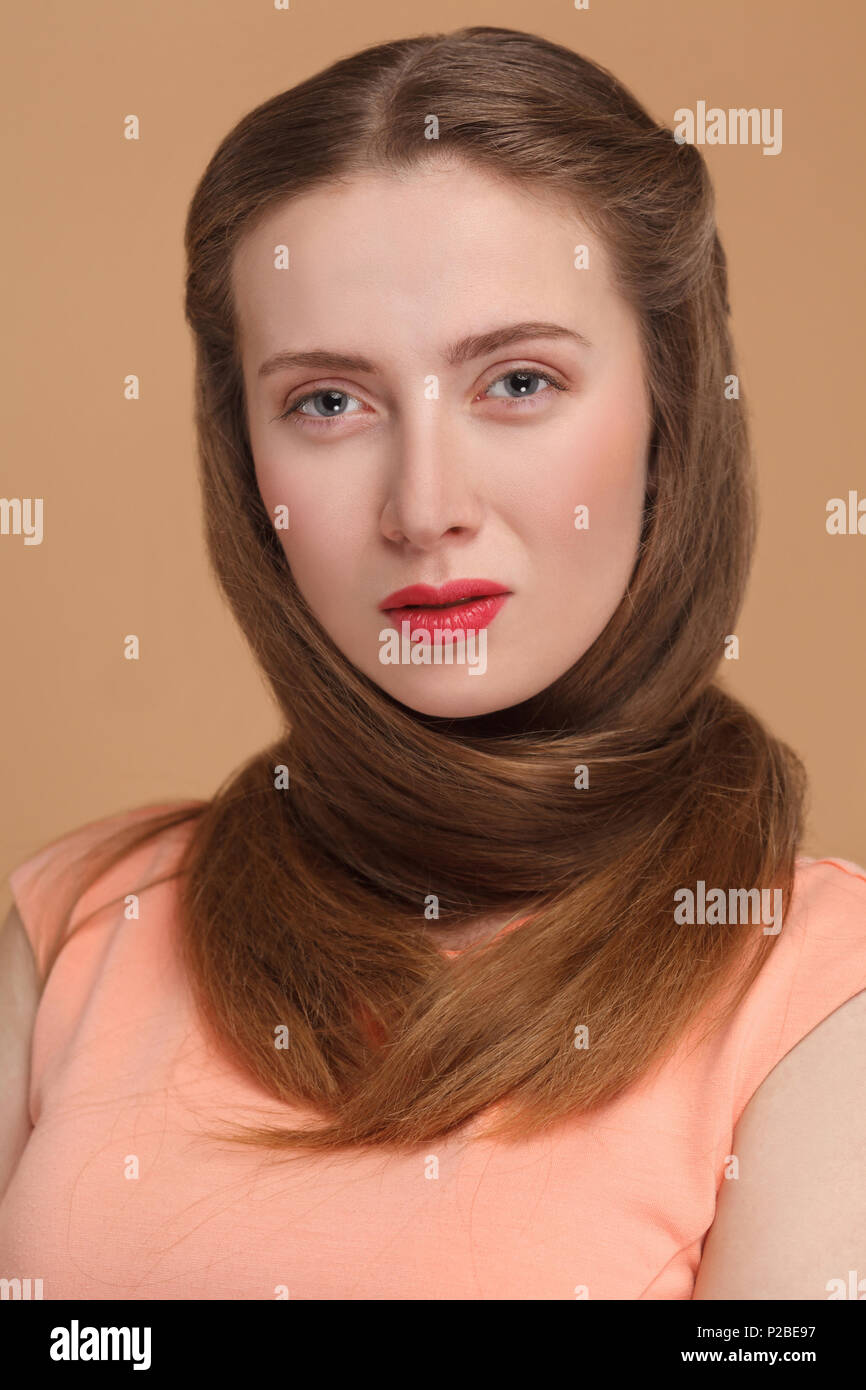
(404, 488)
(435, 469)
(408, 489)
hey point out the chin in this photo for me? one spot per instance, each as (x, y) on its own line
(464, 698)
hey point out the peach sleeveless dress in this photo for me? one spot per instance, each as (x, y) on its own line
(119, 1193)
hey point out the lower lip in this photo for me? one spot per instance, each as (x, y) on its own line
(477, 613)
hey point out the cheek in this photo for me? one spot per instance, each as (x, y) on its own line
(599, 466)
(324, 522)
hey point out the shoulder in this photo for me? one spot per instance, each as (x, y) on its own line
(791, 1217)
(817, 964)
(841, 879)
(43, 891)
(828, 904)
(19, 996)
(68, 870)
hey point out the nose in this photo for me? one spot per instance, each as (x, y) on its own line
(430, 489)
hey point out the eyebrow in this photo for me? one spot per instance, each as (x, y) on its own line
(466, 350)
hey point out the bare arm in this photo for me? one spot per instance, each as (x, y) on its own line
(19, 997)
(795, 1218)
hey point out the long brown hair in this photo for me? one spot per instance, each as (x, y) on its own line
(303, 908)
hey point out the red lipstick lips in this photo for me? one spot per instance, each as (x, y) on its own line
(459, 604)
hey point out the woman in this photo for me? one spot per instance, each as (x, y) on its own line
(474, 985)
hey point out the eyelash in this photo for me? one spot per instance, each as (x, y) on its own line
(294, 408)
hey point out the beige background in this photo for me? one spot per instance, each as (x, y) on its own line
(94, 266)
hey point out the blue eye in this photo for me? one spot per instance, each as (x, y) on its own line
(331, 411)
(333, 398)
(524, 376)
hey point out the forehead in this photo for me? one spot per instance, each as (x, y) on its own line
(416, 256)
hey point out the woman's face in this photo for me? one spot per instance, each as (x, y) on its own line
(436, 392)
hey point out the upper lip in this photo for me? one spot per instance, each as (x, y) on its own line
(453, 592)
